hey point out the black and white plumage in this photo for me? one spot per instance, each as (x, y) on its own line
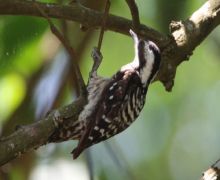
(114, 103)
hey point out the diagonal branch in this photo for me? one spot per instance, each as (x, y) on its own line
(78, 13)
(70, 50)
(35, 135)
(134, 13)
(185, 37)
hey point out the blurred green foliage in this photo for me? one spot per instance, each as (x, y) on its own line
(19, 35)
(19, 58)
(176, 137)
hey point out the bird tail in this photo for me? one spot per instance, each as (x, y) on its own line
(76, 152)
(67, 132)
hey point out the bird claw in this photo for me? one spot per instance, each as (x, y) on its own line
(97, 58)
(96, 54)
(57, 119)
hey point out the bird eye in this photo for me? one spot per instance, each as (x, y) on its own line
(151, 47)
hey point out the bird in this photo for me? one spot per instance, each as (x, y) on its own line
(114, 103)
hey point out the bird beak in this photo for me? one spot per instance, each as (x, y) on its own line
(134, 36)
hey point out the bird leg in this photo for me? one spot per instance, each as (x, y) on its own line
(97, 59)
(96, 53)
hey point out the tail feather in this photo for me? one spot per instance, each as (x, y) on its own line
(76, 152)
(64, 132)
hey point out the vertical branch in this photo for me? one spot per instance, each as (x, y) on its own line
(107, 7)
(135, 14)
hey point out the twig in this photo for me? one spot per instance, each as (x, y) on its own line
(75, 12)
(186, 36)
(135, 14)
(35, 135)
(107, 7)
(73, 60)
(55, 31)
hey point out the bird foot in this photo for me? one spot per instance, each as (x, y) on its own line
(97, 58)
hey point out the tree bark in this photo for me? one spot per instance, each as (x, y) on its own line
(175, 48)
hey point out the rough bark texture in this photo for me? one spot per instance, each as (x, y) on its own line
(178, 46)
(32, 136)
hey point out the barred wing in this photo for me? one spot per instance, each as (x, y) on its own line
(114, 111)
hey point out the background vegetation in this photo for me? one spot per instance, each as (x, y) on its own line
(175, 138)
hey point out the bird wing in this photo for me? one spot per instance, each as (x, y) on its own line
(106, 112)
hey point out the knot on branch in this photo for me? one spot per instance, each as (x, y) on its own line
(175, 25)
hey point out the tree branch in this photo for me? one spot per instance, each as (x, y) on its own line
(185, 37)
(78, 13)
(30, 137)
(102, 31)
(213, 173)
(134, 13)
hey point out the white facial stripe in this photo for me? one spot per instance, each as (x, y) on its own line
(146, 71)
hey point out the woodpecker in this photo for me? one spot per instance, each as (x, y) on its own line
(114, 103)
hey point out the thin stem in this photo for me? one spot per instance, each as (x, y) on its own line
(55, 31)
(135, 14)
(107, 7)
